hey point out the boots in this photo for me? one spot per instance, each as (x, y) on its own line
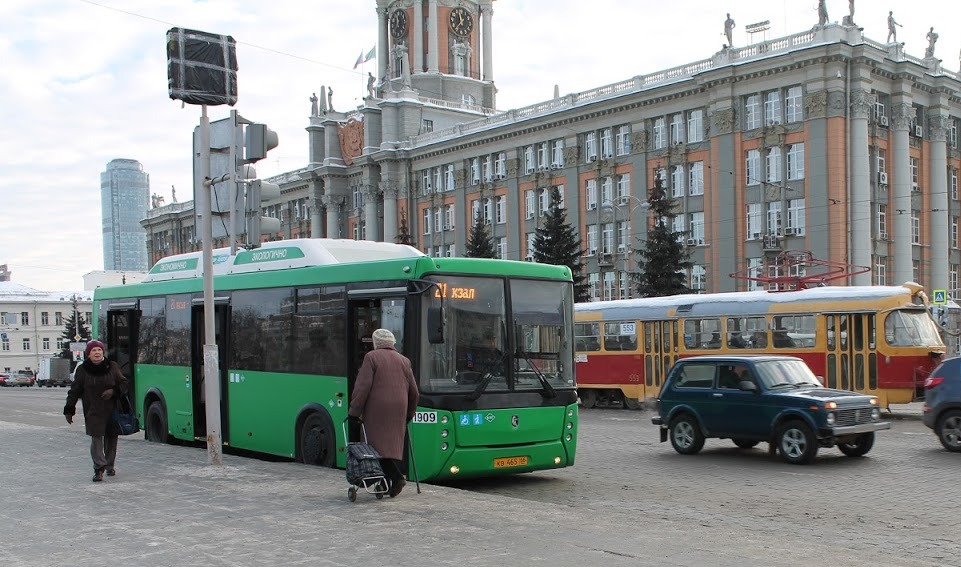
(98, 475)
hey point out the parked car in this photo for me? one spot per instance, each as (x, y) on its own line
(3, 378)
(755, 399)
(942, 403)
(19, 379)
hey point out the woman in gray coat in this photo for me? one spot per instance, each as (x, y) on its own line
(385, 397)
(98, 383)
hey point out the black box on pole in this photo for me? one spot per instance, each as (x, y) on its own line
(201, 67)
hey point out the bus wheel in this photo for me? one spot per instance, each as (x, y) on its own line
(317, 445)
(588, 398)
(155, 428)
(797, 443)
(632, 404)
(860, 447)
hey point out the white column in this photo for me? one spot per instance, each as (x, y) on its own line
(371, 222)
(862, 103)
(382, 43)
(432, 37)
(487, 13)
(939, 236)
(903, 267)
(333, 204)
(316, 202)
(417, 51)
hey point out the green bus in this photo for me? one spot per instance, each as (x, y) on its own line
(491, 343)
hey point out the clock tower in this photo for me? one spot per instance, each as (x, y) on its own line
(439, 48)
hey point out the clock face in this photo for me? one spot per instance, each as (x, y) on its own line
(398, 23)
(461, 22)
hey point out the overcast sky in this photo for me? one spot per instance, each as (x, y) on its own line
(85, 81)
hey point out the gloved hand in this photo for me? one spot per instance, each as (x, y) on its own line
(69, 418)
(107, 394)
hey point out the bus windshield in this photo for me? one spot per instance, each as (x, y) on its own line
(911, 328)
(490, 345)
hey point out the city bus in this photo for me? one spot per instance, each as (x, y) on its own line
(490, 341)
(879, 340)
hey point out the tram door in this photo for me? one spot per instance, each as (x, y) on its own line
(198, 386)
(660, 337)
(852, 352)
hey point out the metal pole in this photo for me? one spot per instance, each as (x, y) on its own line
(211, 359)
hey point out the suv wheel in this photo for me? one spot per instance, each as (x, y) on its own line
(796, 443)
(686, 436)
(948, 429)
(860, 447)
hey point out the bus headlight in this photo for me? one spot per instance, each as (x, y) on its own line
(443, 446)
(570, 425)
(443, 419)
(557, 460)
(570, 413)
(444, 433)
(831, 418)
(569, 436)
(454, 469)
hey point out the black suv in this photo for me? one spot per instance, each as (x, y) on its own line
(754, 399)
(942, 403)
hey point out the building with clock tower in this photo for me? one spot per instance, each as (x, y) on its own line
(439, 48)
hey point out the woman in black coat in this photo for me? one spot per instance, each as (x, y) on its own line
(98, 383)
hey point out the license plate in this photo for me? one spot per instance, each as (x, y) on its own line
(510, 462)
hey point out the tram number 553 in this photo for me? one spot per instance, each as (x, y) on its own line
(425, 417)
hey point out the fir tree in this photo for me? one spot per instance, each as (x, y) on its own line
(479, 243)
(403, 232)
(663, 260)
(70, 330)
(556, 242)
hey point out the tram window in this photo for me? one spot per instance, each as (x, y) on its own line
(793, 331)
(747, 332)
(620, 335)
(703, 333)
(587, 337)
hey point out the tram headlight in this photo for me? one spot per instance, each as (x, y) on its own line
(831, 418)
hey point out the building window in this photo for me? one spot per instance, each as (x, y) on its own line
(677, 226)
(698, 277)
(754, 221)
(881, 271)
(591, 239)
(529, 204)
(544, 200)
(915, 229)
(659, 137)
(607, 238)
(754, 266)
(500, 166)
(624, 188)
(677, 181)
(590, 147)
(428, 126)
(502, 247)
(607, 143)
(488, 211)
(795, 216)
(449, 217)
(475, 171)
(660, 173)
(60, 344)
(697, 178)
(695, 126)
(609, 285)
(774, 218)
(25, 318)
(557, 154)
(752, 167)
(530, 238)
(542, 155)
(44, 318)
(439, 179)
(953, 183)
(794, 105)
(882, 221)
(593, 280)
(590, 191)
(623, 140)
(26, 345)
(954, 232)
(773, 163)
(953, 280)
(915, 166)
(530, 166)
(427, 219)
(752, 112)
(438, 219)
(426, 188)
(677, 129)
(488, 169)
(46, 343)
(607, 190)
(697, 227)
(916, 270)
(5, 345)
(501, 209)
(772, 108)
(449, 177)
(795, 161)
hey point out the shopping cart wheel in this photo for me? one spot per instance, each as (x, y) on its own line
(379, 495)
(352, 493)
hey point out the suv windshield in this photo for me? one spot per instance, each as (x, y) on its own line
(490, 347)
(911, 328)
(783, 373)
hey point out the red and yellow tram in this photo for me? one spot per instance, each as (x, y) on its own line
(879, 340)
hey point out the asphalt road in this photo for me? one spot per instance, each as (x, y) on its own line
(899, 502)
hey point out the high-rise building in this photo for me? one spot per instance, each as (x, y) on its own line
(824, 141)
(124, 194)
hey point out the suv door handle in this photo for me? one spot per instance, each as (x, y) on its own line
(717, 395)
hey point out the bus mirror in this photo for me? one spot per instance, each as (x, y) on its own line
(435, 325)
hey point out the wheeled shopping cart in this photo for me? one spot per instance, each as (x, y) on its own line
(363, 467)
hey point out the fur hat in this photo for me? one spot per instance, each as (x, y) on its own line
(92, 345)
(383, 338)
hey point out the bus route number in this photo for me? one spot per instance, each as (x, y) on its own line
(425, 417)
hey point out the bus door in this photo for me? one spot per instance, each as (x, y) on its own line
(197, 386)
(367, 311)
(121, 336)
(659, 354)
(851, 352)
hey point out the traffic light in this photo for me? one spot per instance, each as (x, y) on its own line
(226, 195)
(258, 140)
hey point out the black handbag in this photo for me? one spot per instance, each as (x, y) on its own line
(123, 418)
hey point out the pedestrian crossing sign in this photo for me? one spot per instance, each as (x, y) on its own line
(940, 296)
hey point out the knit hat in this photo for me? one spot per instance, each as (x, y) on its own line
(383, 338)
(92, 345)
